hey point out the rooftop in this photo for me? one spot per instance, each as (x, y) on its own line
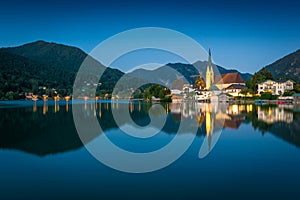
(230, 78)
(236, 86)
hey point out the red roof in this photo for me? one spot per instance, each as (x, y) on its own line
(230, 78)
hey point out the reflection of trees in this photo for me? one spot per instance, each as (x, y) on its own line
(286, 126)
(37, 133)
(28, 129)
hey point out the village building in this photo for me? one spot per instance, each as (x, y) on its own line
(226, 80)
(213, 88)
(235, 89)
(275, 87)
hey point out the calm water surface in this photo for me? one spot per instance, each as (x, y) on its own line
(257, 154)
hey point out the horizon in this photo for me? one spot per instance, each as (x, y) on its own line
(147, 66)
(239, 37)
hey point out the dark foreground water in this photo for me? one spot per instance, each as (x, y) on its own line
(257, 154)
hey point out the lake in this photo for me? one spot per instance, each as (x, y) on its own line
(236, 151)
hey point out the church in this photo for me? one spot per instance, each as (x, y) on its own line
(230, 83)
(222, 82)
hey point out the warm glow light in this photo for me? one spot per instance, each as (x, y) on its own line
(35, 97)
(45, 97)
(67, 98)
(235, 109)
(56, 98)
(249, 108)
(270, 111)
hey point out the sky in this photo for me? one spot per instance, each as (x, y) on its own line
(244, 35)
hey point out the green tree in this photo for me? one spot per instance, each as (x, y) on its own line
(258, 77)
(157, 91)
(288, 93)
(266, 95)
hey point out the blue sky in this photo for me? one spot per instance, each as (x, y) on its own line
(245, 35)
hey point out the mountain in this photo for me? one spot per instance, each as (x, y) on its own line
(174, 71)
(25, 68)
(50, 54)
(19, 74)
(287, 67)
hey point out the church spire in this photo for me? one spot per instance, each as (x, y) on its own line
(209, 58)
(209, 72)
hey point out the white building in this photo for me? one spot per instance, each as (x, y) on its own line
(203, 95)
(235, 89)
(275, 87)
(176, 91)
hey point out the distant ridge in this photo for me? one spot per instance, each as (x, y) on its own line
(188, 71)
(287, 67)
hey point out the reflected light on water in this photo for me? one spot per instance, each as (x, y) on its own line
(280, 120)
(230, 116)
(235, 109)
(56, 106)
(45, 108)
(34, 109)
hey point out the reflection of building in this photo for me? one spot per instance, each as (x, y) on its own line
(215, 114)
(223, 98)
(234, 117)
(296, 98)
(233, 123)
(275, 87)
(272, 115)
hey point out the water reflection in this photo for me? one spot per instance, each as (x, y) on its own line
(276, 114)
(47, 127)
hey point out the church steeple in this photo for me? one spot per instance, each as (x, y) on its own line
(209, 72)
(209, 58)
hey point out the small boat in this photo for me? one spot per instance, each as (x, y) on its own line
(261, 102)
